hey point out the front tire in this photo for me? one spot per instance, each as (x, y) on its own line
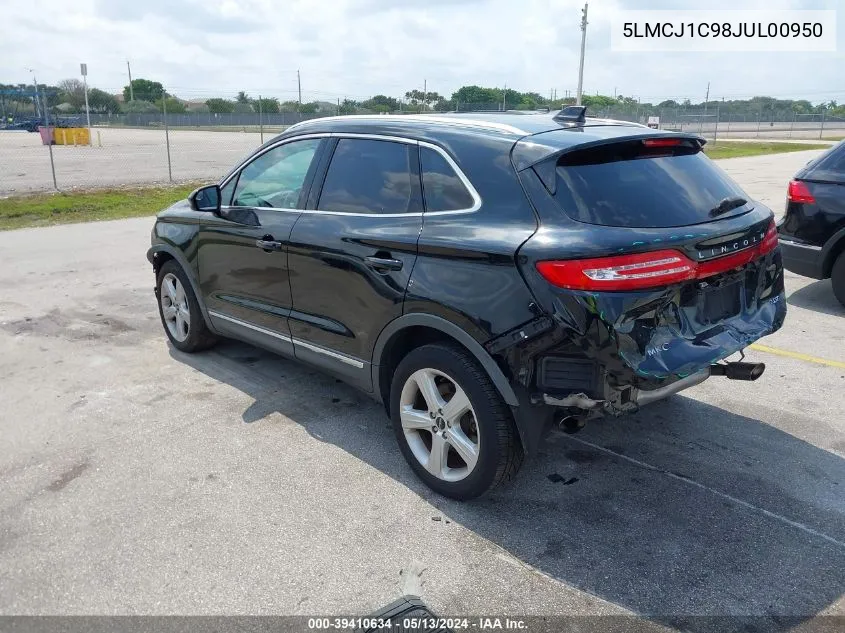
(837, 278)
(179, 310)
(452, 425)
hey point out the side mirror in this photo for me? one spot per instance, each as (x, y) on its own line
(205, 199)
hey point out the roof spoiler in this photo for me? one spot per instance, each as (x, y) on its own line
(572, 114)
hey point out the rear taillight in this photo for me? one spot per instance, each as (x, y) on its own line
(647, 270)
(622, 272)
(799, 192)
(770, 242)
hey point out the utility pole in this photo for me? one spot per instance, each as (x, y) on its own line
(131, 91)
(299, 87)
(35, 84)
(260, 120)
(504, 97)
(707, 98)
(83, 68)
(425, 90)
(583, 47)
(166, 134)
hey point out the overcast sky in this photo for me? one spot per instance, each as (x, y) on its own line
(355, 48)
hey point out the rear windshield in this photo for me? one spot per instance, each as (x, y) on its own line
(632, 185)
(829, 167)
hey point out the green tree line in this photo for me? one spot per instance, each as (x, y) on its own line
(149, 96)
(481, 98)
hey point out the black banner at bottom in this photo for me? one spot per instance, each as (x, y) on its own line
(401, 624)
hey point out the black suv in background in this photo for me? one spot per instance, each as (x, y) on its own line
(482, 275)
(812, 232)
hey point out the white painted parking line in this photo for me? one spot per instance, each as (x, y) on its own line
(772, 515)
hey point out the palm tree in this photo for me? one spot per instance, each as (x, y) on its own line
(242, 97)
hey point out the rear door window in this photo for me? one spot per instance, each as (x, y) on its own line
(369, 176)
(631, 185)
(443, 189)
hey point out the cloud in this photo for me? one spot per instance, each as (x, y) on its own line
(357, 48)
(363, 7)
(191, 15)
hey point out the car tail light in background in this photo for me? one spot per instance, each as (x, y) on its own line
(799, 192)
(647, 270)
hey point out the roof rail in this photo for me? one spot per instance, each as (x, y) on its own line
(427, 118)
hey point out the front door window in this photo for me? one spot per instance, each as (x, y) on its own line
(275, 178)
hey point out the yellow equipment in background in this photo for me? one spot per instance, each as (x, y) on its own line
(71, 136)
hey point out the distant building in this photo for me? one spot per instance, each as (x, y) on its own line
(192, 105)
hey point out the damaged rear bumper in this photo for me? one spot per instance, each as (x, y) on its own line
(613, 352)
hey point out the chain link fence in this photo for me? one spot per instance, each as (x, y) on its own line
(767, 124)
(150, 149)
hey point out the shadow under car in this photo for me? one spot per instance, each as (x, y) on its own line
(817, 296)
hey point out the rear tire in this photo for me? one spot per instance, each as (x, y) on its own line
(443, 403)
(837, 278)
(179, 310)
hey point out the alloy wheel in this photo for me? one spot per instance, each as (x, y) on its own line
(174, 307)
(439, 424)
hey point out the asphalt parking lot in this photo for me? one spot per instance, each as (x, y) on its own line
(138, 480)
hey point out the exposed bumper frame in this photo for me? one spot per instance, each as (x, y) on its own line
(640, 398)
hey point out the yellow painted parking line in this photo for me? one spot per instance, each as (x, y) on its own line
(798, 355)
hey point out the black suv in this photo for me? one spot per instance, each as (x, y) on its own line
(483, 276)
(812, 232)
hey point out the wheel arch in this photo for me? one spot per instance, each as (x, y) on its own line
(412, 330)
(834, 246)
(158, 254)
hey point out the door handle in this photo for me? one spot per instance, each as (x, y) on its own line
(268, 245)
(383, 264)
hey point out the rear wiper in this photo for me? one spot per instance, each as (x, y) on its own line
(726, 205)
